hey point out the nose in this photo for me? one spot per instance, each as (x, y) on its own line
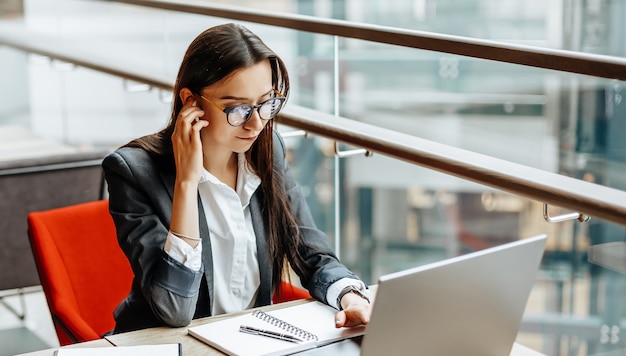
(255, 123)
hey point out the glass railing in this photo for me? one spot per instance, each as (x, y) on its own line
(401, 207)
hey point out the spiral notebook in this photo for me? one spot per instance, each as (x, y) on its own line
(312, 322)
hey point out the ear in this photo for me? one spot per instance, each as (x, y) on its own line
(186, 95)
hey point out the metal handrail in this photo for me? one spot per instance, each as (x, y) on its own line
(548, 58)
(586, 198)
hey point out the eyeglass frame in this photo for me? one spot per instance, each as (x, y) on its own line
(257, 107)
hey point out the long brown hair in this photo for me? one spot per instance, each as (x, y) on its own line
(212, 56)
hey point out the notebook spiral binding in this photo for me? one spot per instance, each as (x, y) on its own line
(296, 331)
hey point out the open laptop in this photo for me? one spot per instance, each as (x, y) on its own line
(466, 305)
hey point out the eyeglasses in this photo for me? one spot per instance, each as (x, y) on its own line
(240, 114)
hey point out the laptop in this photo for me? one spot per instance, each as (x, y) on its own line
(466, 305)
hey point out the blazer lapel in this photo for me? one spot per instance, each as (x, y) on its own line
(168, 182)
(207, 253)
(264, 297)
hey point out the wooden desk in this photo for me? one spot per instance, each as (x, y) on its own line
(192, 346)
(50, 352)
(166, 335)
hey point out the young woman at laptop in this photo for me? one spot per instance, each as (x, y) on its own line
(207, 210)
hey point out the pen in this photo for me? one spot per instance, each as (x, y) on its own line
(269, 333)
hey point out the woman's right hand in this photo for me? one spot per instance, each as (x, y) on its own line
(186, 142)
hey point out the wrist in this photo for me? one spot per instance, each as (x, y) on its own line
(186, 184)
(350, 290)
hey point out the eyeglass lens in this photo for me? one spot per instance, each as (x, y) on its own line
(240, 114)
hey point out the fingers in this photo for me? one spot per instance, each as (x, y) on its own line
(198, 124)
(187, 142)
(189, 122)
(351, 318)
(191, 114)
(340, 319)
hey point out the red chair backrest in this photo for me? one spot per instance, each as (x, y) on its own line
(289, 292)
(84, 273)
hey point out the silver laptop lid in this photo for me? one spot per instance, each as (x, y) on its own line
(466, 305)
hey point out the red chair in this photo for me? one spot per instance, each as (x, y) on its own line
(289, 292)
(83, 272)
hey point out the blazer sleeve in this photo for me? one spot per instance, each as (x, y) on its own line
(319, 254)
(141, 205)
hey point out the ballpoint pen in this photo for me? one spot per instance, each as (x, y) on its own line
(269, 333)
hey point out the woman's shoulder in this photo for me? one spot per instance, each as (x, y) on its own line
(129, 155)
(136, 160)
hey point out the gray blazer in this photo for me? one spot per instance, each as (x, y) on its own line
(165, 292)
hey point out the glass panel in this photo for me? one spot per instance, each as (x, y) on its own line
(554, 121)
(110, 113)
(396, 216)
(312, 164)
(586, 26)
(312, 71)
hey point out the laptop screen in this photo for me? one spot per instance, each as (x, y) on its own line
(466, 305)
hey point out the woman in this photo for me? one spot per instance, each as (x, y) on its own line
(206, 210)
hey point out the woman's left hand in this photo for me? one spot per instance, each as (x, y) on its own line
(187, 143)
(356, 311)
